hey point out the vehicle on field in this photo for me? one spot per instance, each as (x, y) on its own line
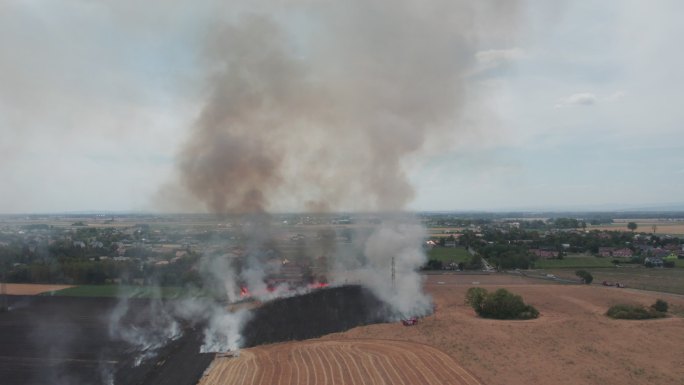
(409, 321)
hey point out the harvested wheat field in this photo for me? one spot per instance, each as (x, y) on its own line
(572, 342)
(31, 288)
(664, 227)
(329, 362)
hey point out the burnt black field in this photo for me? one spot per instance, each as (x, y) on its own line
(65, 340)
(313, 315)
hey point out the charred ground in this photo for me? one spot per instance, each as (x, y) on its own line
(66, 340)
(312, 315)
(60, 340)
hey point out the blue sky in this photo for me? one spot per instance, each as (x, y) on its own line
(575, 104)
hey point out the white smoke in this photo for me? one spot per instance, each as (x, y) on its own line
(147, 336)
(219, 269)
(223, 333)
(106, 373)
(222, 327)
(394, 245)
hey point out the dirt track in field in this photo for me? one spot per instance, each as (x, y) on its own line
(349, 362)
(31, 289)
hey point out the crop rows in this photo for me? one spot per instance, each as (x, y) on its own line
(352, 362)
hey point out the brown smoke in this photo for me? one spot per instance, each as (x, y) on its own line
(319, 105)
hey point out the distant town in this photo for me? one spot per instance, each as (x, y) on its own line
(165, 249)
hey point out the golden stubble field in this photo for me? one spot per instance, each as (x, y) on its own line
(348, 361)
(573, 342)
(646, 226)
(31, 288)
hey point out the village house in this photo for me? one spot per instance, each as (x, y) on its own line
(615, 252)
(653, 261)
(659, 253)
(450, 243)
(545, 254)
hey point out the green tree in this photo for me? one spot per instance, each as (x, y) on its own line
(506, 256)
(660, 306)
(585, 276)
(434, 264)
(625, 311)
(500, 304)
(632, 226)
(474, 297)
(475, 262)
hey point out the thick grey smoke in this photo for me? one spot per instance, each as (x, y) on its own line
(320, 105)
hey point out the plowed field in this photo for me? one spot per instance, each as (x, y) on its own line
(348, 362)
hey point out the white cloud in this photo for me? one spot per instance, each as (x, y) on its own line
(615, 96)
(579, 99)
(584, 99)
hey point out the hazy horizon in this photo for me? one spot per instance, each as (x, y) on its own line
(673, 208)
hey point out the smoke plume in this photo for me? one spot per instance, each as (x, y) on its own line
(320, 105)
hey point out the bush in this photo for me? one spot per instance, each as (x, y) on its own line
(434, 264)
(475, 296)
(505, 256)
(585, 276)
(623, 311)
(660, 306)
(500, 304)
